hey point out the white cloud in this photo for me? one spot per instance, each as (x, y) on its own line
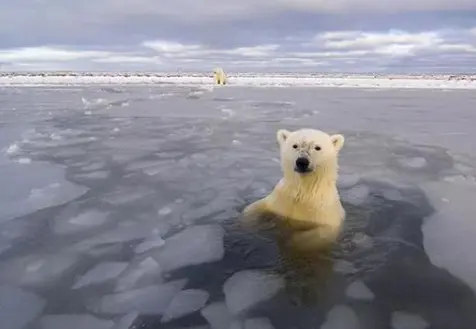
(47, 54)
(331, 50)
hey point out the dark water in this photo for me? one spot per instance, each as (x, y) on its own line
(119, 208)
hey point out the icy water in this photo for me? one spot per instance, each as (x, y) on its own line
(118, 209)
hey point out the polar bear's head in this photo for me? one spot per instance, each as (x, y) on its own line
(306, 151)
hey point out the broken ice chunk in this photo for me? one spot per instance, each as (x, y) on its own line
(126, 321)
(245, 289)
(151, 300)
(258, 323)
(18, 308)
(186, 302)
(81, 222)
(74, 321)
(403, 320)
(356, 195)
(101, 273)
(341, 316)
(358, 290)
(192, 246)
(151, 243)
(217, 315)
(137, 274)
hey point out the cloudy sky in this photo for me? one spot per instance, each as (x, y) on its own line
(239, 35)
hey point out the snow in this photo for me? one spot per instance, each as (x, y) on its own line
(193, 246)
(74, 321)
(100, 273)
(358, 290)
(341, 316)
(186, 302)
(245, 289)
(18, 308)
(249, 80)
(403, 320)
(150, 300)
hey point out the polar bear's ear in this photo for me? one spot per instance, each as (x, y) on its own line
(337, 141)
(282, 135)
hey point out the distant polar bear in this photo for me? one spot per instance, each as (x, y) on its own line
(220, 76)
(307, 195)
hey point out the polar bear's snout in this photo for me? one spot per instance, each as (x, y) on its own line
(302, 165)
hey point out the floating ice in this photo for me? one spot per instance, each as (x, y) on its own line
(127, 321)
(127, 195)
(165, 211)
(101, 273)
(82, 222)
(356, 195)
(453, 221)
(13, 149)
(358, 290)
(139, 273)
(74, 321)
(403, 320)
(258, 323)
(416, 162)
(24, 160)
(344, 267)
(347, 180)
(340, 317)
(217, 315)
(18, 308)
(192, 246)
(151, 243)
(37, 270)
(245, 289)
(186, 302)
(151, 300)
(95, 175)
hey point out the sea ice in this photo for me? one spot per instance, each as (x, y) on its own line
(74, 321)
(82, 222)
(416, 162)
(127, 320)
(403, 320)
(37, 270)
(341, 316)
(245, 289)
(139, 273)
(150, 300)
(150, 243)
(358, 290)
(217, 315)
(258, 323)
(101, 273)
(18, 308)
(356, 195)
(192, 246)
(186, 302)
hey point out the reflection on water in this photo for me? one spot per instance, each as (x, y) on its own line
(129, 215)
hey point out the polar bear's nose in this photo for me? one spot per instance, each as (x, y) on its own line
(302, 163)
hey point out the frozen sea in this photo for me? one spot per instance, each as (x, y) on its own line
(119, 208)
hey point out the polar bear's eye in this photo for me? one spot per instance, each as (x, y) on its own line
(317, 148)
(295, 146)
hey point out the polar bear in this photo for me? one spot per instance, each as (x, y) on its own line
(220, 76)
(306, 198)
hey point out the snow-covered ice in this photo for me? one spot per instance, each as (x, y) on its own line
(192, 246)
(100, 273)
(186, 302)
(150, 243)
(81, 222)
(245, 289)
(152, 300)
(18, 307)
(74, 321)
